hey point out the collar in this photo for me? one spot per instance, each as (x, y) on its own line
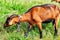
(19, 18)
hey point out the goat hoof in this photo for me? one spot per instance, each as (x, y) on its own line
(40, 37)
(55, 34)
(26, 34)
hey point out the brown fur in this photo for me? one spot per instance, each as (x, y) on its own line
(39, 14)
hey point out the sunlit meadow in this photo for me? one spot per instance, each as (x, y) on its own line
(19, 7)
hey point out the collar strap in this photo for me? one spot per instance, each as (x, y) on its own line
(19, 18)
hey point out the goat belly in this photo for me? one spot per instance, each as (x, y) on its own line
(48, 21)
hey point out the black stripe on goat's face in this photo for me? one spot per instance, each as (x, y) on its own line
(12, 19)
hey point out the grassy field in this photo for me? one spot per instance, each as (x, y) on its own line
(19, 7)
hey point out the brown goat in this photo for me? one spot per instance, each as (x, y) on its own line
(37, 15)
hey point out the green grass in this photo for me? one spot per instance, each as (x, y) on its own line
(19, 7)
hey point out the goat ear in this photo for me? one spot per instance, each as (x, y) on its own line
(11, 14)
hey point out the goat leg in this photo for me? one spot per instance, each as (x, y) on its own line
(29, 28)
